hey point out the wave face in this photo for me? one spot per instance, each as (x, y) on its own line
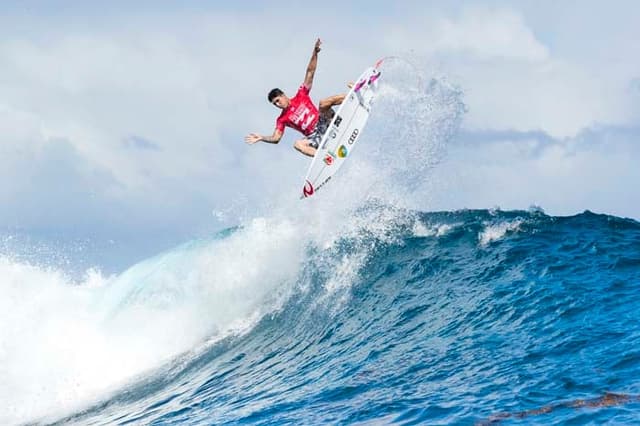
(453, 317)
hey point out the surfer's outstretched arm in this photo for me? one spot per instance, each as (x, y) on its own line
(252, 138)
(313, 63)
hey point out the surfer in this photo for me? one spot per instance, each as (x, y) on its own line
(300, 113)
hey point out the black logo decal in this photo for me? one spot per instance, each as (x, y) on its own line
(353, 136)
(338, 121)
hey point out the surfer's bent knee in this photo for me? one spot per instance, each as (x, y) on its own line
(301, 143)
(324, 104)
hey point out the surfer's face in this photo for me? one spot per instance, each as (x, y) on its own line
(281, 101)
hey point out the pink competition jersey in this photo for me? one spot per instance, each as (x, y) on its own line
(301, 114)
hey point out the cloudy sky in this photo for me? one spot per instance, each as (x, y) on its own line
(125, 119)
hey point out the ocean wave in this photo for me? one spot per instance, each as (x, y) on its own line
(393, 326)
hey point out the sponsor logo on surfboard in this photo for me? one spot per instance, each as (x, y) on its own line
(353, 136)
(342, 151)
(323, 182)
(308, 190)
(338, 121)
(328, 159)
(374, 77)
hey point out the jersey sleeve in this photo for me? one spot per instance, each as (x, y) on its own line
(303, 90)
(280, 123)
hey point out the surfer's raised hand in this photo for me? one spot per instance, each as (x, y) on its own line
(252, 138)
(311, 68)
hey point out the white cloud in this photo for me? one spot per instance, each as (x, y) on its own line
(557, 97)
(515, 80)
(596, 170)
(487, 34)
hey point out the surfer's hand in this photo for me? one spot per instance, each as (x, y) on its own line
(317, 48)
(252, 138)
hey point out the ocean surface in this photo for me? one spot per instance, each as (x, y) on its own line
(465, 317)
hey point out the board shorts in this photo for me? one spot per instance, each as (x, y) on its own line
(315, 137)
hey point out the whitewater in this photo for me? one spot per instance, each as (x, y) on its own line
(356, 306)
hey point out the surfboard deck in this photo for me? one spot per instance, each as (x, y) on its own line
(343, 132)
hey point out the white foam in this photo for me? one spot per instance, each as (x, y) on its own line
(64, 345)
(495, 232)
(435, 230)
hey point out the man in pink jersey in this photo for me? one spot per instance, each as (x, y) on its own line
(300, 113)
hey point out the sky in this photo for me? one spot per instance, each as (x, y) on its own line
(127, 121)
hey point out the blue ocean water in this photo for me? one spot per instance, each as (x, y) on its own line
(466, 317)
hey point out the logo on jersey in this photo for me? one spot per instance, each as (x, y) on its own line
(342, 151)
(307, 191)
(302, 117)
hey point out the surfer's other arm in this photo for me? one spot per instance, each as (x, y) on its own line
(313, 63)
(252, 138)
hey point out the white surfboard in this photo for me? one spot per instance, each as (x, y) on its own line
(344, 131)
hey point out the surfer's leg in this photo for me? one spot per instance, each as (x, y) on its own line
(304, 146)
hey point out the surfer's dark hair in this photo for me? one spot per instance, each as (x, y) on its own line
(274, 93)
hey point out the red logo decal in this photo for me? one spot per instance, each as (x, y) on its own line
(307, 191)
(328, 160)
